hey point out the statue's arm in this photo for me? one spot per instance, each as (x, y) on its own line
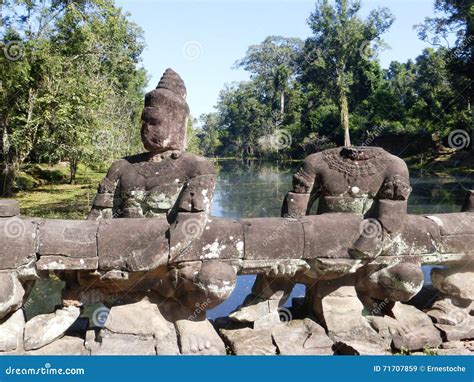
(105, 201)
(306, 189)
(199, 188)
(393, 196)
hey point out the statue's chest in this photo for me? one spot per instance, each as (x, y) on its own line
(150, 189)
(335, 184)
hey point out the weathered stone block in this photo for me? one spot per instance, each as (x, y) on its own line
(57, 263)
(144, 319)
(454, 223)
(267, 321)
(455, 323)
(11, 332)
(418, 237)
(133, 244)
(126, 344)
(219, 239)
(11, 293)
(68, 238)
(17, 242)
(9, 208)
(44, 329)
(412, 329)
(456, 348)
(462, 244)
(249, 341)
(252, 312)
(322, 240)
(301, 337)
(454, 282)
(277, 238)
(337, 305)
(68, 345)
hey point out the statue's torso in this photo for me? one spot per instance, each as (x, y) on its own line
(350, 185)
(150, 187)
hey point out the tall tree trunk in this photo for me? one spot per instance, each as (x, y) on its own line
(344, 109)
(7, 169)
(7, 179)
(282, 104)
(73, 163)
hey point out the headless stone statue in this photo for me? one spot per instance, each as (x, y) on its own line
(363, 180)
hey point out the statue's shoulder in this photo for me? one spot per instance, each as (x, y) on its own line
(314, 158)
(133, 159)
(396, 164)
(196, 165)
(121, 166)
(313, 162)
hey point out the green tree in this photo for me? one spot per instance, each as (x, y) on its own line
(209, 135)
(455, 19)
(341, 44)
(242, 118)
(76, 85)
(273, 65)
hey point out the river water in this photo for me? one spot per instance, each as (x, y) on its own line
(254, 189)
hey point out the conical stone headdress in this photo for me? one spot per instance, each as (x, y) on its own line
(166, 114)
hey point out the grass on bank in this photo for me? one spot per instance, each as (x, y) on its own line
(56, 199)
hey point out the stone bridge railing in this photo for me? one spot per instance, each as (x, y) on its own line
(194, 262)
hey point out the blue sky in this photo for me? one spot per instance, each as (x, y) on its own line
(201, 39)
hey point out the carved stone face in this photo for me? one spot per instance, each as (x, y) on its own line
(165, 116)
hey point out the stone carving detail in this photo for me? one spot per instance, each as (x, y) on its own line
(355, 163)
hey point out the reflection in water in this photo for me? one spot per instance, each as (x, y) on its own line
(256, 189)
